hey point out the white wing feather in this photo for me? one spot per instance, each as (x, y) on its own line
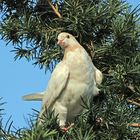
(57, 83)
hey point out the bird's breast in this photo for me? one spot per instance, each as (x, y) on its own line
(80, 81)
(80, 66)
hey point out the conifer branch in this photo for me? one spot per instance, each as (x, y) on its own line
(54, 9)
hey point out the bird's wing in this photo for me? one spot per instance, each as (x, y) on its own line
(98, 76)
(33, 97)
(57, 83)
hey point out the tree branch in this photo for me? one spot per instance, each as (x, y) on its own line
(54, 9)
(133, 102)
(135, 124)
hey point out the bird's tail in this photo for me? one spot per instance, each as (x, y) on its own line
(98, 76)
(33, 97)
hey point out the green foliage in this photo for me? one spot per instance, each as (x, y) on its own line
(34, 29)
(106, 118)
(110, 32)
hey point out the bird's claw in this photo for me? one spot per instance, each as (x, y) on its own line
(65, 129)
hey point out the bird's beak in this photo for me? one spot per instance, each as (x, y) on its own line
(60, 42)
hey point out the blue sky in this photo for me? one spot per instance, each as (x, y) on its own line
(18, 78)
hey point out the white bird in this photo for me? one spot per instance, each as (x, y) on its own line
(73, 78)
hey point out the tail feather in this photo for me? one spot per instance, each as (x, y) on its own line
(33, 97)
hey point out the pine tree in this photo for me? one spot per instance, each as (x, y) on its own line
(110, 32)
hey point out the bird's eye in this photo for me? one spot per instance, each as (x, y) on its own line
(68, 36)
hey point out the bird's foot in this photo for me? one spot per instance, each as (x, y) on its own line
(65, 129)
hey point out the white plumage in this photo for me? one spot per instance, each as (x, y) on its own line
(75, 77)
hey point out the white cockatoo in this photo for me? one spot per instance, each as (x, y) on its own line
(73, 78)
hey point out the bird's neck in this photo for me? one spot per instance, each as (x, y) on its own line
(71, 48)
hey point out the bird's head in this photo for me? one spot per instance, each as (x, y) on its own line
(66, 40)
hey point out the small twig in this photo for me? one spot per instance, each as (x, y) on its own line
(131, 87)
(135, 124)
(133, 102)
(54, 9)
(71, 125)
